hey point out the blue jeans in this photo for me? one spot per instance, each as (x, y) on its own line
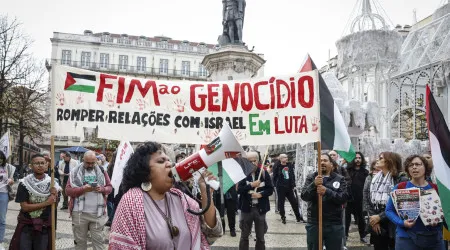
(407, 243)
(111, 210)
(3, 209)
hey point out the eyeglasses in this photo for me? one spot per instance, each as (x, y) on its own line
(41, 163)
(417, 164)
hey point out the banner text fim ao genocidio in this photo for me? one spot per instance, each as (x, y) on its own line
(299, 93)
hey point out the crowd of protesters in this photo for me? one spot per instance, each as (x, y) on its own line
(151, 211)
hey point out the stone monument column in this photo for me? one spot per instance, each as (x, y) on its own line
(232, 62)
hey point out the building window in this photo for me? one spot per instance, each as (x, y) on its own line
(202, 71)
(141, 63)
(202, 48)
(185, 46)
(104, 60)
(124, 39)
(164, 66)
(106, 39)
(163, 45)
(66, 57)
(123, 62)
(185, 68)
(85, 59)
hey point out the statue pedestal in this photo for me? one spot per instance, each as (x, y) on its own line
(232, 62)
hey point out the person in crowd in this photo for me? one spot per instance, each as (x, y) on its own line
(374, 169)
(358, 174)
(270, 171)
(413, 234)
(6, 179)
(153, 215)
(284, 179)
(65, 167)
(179, 158)
(254, 204)
(88, 186)
(335, 156)
(103, 162)
(333, 190)
(376, 193)
(110, 201)
(230, 205)
(33, 230)
(48, 158)
(432, 176)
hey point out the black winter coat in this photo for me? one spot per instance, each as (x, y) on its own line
(245, 199)
(332, 201)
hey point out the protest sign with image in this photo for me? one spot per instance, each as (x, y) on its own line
(431, 212)
(407, 203)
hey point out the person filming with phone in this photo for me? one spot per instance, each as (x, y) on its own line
(88, 186)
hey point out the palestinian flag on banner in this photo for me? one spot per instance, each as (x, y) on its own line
(440, 150)
(334, 134)
(233, 170)
(80, 83)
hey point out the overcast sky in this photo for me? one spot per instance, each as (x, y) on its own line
(283, 30)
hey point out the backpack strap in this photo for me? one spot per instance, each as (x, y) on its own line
(402, 185)
(434, 186)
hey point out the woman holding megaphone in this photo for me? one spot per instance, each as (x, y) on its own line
(153, 215)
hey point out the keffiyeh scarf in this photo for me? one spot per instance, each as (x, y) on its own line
(380, 188)
(39, 191)
(39, 188)
(76, 179)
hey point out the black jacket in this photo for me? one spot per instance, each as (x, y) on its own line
(245, 199)
(332, 201)
(278, 178)
(358, 178)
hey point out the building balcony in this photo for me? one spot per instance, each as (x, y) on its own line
(139, 71)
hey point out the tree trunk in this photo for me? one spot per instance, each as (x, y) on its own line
(21, 139)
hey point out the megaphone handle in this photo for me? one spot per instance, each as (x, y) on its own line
(208, 203)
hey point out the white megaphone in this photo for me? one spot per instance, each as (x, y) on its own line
(224, 146)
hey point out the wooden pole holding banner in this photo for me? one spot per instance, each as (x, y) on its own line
(319, 197)
(52, 184)
(262, 165)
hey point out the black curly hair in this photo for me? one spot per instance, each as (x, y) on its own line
(137, 170)
(2, 158)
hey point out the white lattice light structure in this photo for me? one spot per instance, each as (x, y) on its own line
(426, 45)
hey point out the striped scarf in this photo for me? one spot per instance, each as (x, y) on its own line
(380, 188)
(76, 180)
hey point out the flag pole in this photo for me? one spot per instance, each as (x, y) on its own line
(222, 198)
(52, 184)
(319, 197)
(10, 147)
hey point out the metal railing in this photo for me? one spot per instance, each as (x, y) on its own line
(131, 69)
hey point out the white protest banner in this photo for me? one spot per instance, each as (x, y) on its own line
(5, 145)
(124, 152)
(271, 110)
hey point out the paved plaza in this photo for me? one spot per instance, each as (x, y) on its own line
(279, 236)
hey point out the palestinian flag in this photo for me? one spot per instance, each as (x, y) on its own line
(334, 134)
(233, 171)
(80, 83)
(440, 150)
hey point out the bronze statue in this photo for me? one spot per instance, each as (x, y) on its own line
(233, 21)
